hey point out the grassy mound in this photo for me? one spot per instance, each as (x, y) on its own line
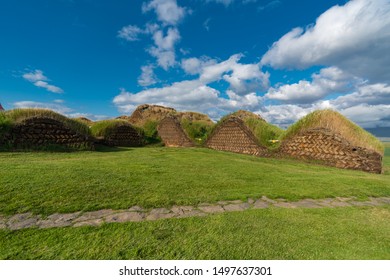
(336, 122)
(264, 132)
(197, 130)
(107, 127)
(16, 116)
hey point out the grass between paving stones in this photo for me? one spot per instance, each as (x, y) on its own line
(274, 233)
(46, 183)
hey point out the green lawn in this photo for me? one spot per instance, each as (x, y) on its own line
(46, 183)
(339, 233)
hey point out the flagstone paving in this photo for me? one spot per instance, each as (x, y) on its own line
(138, 214)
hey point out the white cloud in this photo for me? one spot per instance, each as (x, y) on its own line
(195, 65)
(164, 51)
(372, 94)
(130, 32)
(369, 116)
(354, 37)
(181, 95)
(197, 94)
(270, 5)
(243, 78)
(168, 12)
(147, 76)
(35, 76)
(49, 87)
(329, 80)
(39, 80)
(224, 2)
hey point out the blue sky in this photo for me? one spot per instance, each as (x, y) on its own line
(281, 59)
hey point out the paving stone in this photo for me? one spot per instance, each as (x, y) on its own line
(160, 213)
(306, 203)
(211, 209)
(325, 202)
(219, 203)
(158, 216)
(125, 217)
(181, 209)
(136, 208)
(94, 215)
(345, 199)
(259, 204)
(63, 218)
(95, 222)
(384, 200)
(363, 203)
(374, 201)
(236, 207)
(285, 205)
(20, 221)
(251, 200)
(234, 201)
(266, 199)
(340, 203)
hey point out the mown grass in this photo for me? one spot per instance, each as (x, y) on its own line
(46, 183)
(339, 233)
(336, 122)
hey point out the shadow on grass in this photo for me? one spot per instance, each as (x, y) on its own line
(108, 149)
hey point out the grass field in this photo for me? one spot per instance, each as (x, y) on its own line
(341, 233)
(46, 183)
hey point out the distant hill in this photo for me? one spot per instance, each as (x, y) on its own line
(380, 131)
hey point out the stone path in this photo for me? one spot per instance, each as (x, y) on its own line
(137, 214)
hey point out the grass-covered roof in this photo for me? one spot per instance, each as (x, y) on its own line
(337, 123)
(106, 127)
(16, 116)
(263, 131)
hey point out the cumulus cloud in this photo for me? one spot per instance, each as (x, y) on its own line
(195, 65)
(181, 95)
(354, 37)
(167, 11)
(327, 81)
(147, 76)
(164, 49)
(39, 80)
(243, 78)
(197, 94)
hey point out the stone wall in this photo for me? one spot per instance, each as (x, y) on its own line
(42, 132)
(234, 136)
(172, 134)
(124, 136)
(331, 149)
